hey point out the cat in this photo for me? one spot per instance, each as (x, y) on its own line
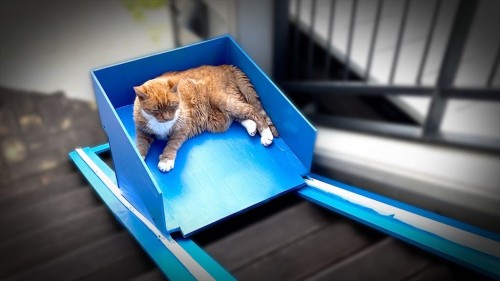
(182, 104)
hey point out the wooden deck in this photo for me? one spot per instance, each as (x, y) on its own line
(54, 227)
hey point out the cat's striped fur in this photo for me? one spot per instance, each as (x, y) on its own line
(183, 104)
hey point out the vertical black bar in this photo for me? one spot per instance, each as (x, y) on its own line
(295, 58)
(494, 69)
(399, 41)
(310, 49)
(449, 66)
(174, 12)
(430, 35)
(329, 40)
(349, 39)
(380, 5)
(281, 25)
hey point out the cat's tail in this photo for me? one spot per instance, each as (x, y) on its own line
(246, 88)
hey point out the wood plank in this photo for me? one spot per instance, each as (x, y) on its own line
(41, 189)
(32, 166)
(69, 235)
(309, 254)
(152, 275)
(387, 260)
(440, 269)
(52, 109)
(269, 235)
(46, 212)
(35, 180)
(433, 272)
(83, 261)
(124, 269)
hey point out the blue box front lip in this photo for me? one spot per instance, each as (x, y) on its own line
(294, 128)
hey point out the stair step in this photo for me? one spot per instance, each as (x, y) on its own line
(41, 189)
(387, 260)
(84, 261)
(56, 241)
(308, 254)
(152, 275)
(268, 235)
(124, 269)
(47, 212)
(13, 183)
(433, 272)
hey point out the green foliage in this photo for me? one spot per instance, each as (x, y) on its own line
(137, 7)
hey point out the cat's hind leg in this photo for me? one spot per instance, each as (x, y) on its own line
(243, 111)
(218, 121)
(250, 126)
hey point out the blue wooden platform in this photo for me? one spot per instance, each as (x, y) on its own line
(217, 175)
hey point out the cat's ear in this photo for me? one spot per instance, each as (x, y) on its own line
(173, 86)
(139, 91)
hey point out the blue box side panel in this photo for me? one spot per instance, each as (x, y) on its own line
(118, 80)
(165, 260)
(131, 172)
(296, 131)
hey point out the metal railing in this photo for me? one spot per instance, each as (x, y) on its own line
(287, 66)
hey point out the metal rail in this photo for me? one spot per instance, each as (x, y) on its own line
(465, 244)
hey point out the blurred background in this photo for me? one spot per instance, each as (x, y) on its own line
(405, 95)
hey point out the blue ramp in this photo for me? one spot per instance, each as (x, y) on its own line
(217, 175)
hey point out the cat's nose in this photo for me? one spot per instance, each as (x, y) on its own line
(165, 116)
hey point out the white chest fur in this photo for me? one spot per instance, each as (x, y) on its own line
(161, 130)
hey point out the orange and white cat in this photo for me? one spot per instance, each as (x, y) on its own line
(180, 105)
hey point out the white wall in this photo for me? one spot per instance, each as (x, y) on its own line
(52, 45)
(250, 23)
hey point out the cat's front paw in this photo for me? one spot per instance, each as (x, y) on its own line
(266, 137)
(166, 165)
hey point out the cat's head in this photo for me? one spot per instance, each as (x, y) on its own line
(159, 98)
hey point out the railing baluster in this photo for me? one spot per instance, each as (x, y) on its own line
(281, 39)
(399, 41)
(329, 40)
(349, 39)
(174, 12)
(494, 69)
(430, 35)
(310, 49)
(449, 66)
(295, 65)
(380, 5)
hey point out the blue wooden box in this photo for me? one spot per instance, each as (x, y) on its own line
(216, 175)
